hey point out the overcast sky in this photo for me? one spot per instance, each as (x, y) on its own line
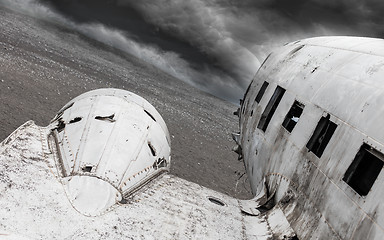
(216, 45)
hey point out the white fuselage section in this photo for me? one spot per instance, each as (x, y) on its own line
(312, 133)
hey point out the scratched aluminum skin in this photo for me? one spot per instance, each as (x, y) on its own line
(86, 176)
(35, 203)
(109, 142)
(339, 76)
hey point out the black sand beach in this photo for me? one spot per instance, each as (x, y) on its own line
(44, 65)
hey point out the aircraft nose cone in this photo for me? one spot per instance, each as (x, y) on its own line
(89, 195)
(110, 143)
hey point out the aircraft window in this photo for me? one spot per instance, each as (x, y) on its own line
(320, 138)
(271, 108)
(106, 118)
(153, 150)
(242, 106)
(293, 116)
(261, 92)
(60, 126)
(364, 169)
(150, 115)
(87, 169)
(76, 119)
(216, 201)
(159, 163)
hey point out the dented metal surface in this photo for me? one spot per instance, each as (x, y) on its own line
(96, 173)
(339, 79)
(310, 130)
(34, 204)
(109, 143)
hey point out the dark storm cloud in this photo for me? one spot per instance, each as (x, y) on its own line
(260, 25)
(216, 45)
(202, 24)
(192, 30)
(362, 17)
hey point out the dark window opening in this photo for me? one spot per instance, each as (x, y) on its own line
(150, 115)
(216, 201)
(271, 108)
(87, 169)
(60, 126)
(320, 138)
(76, 119)
(261, 92)
(106, 118)
(364, 170)
(152, 148)
(293, 116)
(160, 163)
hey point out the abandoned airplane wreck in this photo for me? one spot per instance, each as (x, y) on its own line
(310, 138)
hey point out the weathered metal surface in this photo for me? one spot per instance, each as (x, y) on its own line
(110, 143)
(339, 76)
(34, 205)
(56, 182)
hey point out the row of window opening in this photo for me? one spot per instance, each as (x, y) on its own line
(368, 162)
(323, 131)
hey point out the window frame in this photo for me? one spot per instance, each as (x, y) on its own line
(368, 163)
(289, 119)
(270, 109)
(261, 92)
(321, 131)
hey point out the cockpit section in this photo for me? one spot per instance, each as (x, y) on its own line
(109, 144)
